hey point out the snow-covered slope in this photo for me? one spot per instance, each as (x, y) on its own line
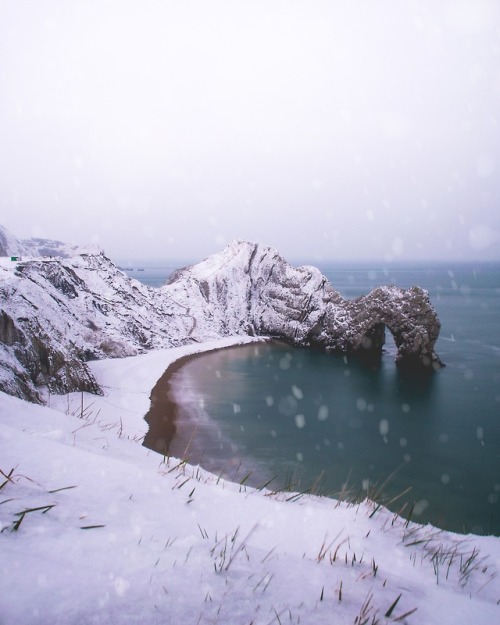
(36, 247)
(10, 245)
(58, 314)
(58, 249)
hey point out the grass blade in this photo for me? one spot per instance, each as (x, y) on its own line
(391, 609)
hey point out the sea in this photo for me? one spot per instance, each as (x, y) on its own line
(427, 447)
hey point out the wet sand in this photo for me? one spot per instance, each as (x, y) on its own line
(163, 410)
(166, 414)
(175, 431)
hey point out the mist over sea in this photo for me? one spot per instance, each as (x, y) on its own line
(427, 444)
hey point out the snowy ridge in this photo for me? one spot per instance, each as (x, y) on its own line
(58, 314)
(36, 247)
(9, 245)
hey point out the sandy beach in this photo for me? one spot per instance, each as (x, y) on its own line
(180, 427)
(162, 414)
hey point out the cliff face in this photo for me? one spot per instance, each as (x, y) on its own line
(55, 315)
(251, 289)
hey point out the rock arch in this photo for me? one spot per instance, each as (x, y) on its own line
(408, 315)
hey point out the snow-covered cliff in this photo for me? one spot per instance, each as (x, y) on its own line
(35, 247)
(9, 245)
(250, 288)
(57, 314)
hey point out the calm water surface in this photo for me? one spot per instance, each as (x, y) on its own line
(298, 415)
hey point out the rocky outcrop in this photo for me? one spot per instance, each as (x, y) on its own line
(250, 288)
(57, 314)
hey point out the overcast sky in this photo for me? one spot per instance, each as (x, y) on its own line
(336, 129)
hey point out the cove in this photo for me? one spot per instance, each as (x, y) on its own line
(306, 419)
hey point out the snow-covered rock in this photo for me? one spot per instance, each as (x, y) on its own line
(250, 288)
(58, 313)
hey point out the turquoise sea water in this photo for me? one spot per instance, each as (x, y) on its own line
(432, 442)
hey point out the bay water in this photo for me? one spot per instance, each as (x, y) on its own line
(428, 446)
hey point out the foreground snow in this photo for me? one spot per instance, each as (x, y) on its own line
(97, 529)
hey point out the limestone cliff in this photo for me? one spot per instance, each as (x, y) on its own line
(250, 288)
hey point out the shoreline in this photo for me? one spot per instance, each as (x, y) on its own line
(164, 409)
(184, 423)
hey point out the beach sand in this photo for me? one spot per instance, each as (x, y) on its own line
(163, 411)
(179, 427)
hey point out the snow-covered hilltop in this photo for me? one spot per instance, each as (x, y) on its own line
(9, 245)
(35, 247)
(59, 313)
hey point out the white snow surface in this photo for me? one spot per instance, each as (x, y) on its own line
(97, 529)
